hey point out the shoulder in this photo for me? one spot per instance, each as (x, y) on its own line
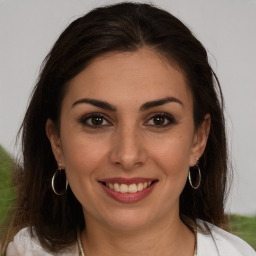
(216, 241)
(24, 244)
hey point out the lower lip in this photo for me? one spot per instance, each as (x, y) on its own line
(129, 197)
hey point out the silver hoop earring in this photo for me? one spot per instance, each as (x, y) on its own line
(59, 181)
(198, 177)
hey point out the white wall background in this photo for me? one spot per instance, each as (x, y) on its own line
(227, 28)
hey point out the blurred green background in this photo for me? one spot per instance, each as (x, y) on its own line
(242, 226)
(6, 189)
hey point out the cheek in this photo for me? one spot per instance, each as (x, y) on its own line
(173, 155)
(82, 156)
(82, 162)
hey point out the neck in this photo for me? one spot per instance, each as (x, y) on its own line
(155, 240)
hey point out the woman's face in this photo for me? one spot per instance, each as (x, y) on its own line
(127, 139)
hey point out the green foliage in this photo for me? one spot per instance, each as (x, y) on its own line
(6, 188)
(244, 227)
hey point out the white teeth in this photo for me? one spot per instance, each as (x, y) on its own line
(124, 188)
(132, 188)
(116, 187)
(140, 187)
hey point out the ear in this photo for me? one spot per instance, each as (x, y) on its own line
(200, 139)
(54, 138)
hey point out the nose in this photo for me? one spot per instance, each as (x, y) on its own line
(128, 149)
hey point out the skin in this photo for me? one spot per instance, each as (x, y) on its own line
(129, 143)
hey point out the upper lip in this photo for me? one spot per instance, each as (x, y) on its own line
(128, 181)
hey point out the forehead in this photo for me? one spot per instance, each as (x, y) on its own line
(133, 77)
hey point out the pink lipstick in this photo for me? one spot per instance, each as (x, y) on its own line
(128, 190)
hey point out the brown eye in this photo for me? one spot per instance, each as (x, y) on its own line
(160, 120)
(95, 121)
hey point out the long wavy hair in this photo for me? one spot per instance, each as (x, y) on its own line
(123, 27)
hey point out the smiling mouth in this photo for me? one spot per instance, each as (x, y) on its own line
(131, 188)
(128, 190)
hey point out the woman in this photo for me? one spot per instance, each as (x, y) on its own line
(124, 143)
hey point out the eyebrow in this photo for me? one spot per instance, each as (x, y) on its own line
(96, 103)
(160, 102)
(145, 106)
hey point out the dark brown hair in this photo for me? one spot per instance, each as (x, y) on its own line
(118, 28)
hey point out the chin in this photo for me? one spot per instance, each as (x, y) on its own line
(129, 220)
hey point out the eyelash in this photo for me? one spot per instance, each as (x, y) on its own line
(167, 118)
(84, 120)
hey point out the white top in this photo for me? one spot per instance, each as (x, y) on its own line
(217, 243)
(221, 243)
